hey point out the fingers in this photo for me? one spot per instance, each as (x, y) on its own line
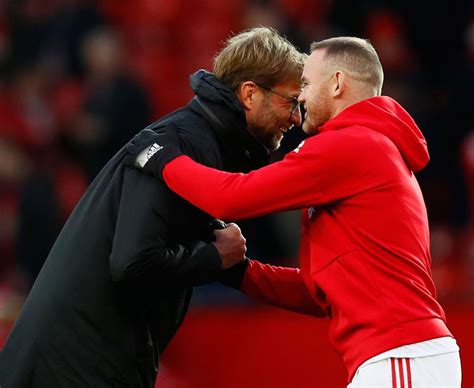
(234, 227)
(231, 245)
(237, 232)
(232, 231)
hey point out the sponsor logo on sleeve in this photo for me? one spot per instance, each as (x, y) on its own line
(153, 150)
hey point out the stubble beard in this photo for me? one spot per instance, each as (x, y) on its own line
(320, 114)
(264, 128)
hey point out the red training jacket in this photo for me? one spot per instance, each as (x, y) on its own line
(364, 251)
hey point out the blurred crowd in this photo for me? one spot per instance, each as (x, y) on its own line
(79, 77)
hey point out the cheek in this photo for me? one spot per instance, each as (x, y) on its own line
(311, 104)
(268, 118)
(316, 99)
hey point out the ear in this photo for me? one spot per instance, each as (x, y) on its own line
(339, 83)
(246, 94)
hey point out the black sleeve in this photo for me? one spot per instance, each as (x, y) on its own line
(141, 251)
(234, 276)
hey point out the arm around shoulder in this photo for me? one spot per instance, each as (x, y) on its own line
(141, 250)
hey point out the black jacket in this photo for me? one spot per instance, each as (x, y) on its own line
(117, 283)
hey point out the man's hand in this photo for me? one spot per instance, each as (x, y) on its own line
(151, 151)
(231, 245)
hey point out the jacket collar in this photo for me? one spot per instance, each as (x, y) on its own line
(241, 150)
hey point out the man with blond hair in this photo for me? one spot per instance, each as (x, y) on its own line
(116, 285)
(365, 254)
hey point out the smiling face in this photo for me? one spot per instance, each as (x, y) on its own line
(316, 94)
(270, 115)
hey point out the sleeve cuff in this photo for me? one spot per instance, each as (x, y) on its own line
(234, 276)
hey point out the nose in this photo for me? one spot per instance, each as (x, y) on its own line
(295, 117)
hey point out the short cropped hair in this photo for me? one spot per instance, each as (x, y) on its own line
(259, 54)
(354, 55)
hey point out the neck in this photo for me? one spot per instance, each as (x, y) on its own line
(347, 101)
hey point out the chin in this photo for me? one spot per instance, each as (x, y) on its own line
(310, 129)
(306, 128)
(274, 145)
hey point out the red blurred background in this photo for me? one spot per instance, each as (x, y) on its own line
(64, 62)
(257, 346)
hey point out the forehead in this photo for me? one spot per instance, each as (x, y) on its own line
(314, 64)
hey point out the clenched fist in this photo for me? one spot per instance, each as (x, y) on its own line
(230, 244)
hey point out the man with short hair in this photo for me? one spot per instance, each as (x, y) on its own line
(117, 283)
(365, 254)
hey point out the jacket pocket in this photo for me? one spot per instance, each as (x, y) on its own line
(319, 264)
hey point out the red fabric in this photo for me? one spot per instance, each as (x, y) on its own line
(407, 360)
(280, 286)
(394, 375)
(364, 248)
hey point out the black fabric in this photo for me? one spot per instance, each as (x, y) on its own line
(240, 151)
(234, 276)
(117, 283)
(162, 147)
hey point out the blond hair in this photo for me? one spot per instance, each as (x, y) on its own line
(355, 56)
(259, 54)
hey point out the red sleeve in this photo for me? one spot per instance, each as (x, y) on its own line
(284, 185)
(318, 172)
(283, 287)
